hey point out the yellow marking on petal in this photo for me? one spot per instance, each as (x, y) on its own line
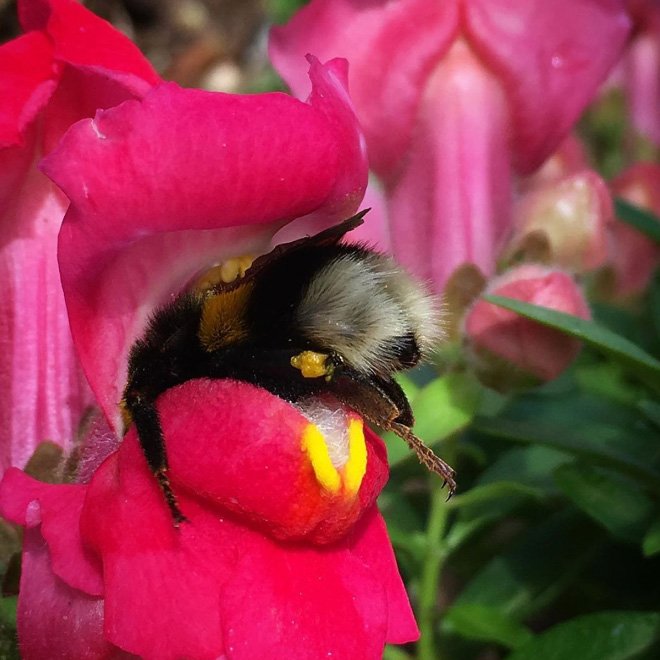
(356, 466)
(313, 443)
(311, 364)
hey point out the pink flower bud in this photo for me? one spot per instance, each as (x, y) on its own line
(535, 349)
(571, 215)
(633, 257)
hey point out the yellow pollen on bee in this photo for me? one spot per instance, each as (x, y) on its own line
(356, 466)
(314, 445)
(226, 272)
(311, 364)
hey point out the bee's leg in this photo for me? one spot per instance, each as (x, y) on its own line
(150, 434)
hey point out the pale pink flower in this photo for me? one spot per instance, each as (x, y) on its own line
(457, 99)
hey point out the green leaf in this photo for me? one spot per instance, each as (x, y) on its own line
(531, 466)
(651, 409)
(485, 504)
(616, 504)
(654, 303)
(445, 406)
(441, 408)
(602, 339)
(641, 219)
(601, 445)
(394, 653)
(601, 636)
(608, 380)
(651, 542)
(535, 569)
(492, 491)
(485, 623)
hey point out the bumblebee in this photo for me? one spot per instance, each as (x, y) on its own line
(312, 318)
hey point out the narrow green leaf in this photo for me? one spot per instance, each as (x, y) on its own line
(616, 504)
(530, 466)
(651, 542)
(641, 219)
(484, 623)
(602, 445)
(601, 636)
(597, 336)
(654, 303)
(651, 409)
(489, 492)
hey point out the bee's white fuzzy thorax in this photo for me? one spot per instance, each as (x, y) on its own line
(365, 307)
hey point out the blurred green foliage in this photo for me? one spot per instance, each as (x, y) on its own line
(551, 546)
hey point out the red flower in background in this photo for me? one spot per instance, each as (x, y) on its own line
(456, 100)
(285, 554)
(68, 64)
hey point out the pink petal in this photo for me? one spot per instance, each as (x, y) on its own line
(375, 230)
(372, 546)
(641, 67)
(82, 38)
(302, 604)
(42, 387)
(201, 420)
(57, 508)
(633, 257)
(551, 56)
(55, 620)
(451, 204)
(162, 584)
(534, 348)
(25, 86)
(236, 167)
(392, 50)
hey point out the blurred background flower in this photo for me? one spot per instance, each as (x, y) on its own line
(457, 100)
(66, 65)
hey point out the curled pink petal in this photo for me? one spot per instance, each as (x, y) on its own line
(253, 163)
(31, 503)
(398, 47)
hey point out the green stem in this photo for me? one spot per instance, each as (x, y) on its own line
(436, 553)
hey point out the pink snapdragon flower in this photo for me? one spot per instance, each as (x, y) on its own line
(495, 333)
(458, 98)
(285, 554)
(67, 64)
